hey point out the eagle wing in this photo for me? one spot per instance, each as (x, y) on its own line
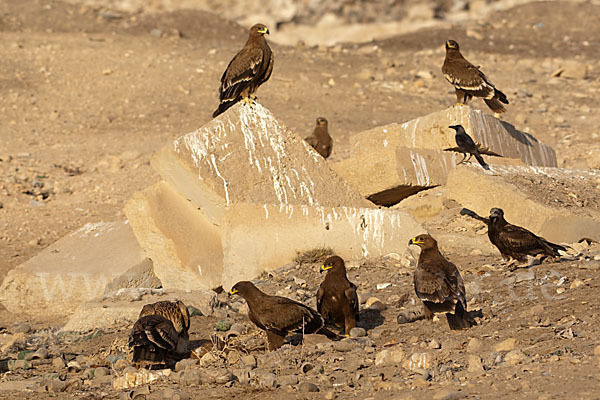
(282, 315)
(465, 76)
(242, 69)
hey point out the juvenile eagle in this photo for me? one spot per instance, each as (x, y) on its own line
(249, 68)
(439, 285)
(336, 298)
(320, 139)
(469, 81)
(278, 316)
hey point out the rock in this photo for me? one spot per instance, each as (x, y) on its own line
(19, 364)
(236, 329)
(448, 394)
(576, 283)
(71, 271)
(245, 171)
(597, 351)
(572, 69)
(357, 332)
(393, 355)
(374, 303)
(308, 387)
(306, 367)
(419, 361)
(507, 345)
(267, 380)
(514, 357)
(133, 378)
(191, 376)
(392, 162)
(288, 380)
(248, 360)
(522, 204)
(58, 364)
(434, 344)
(40, 354)
(344, 345)
(475, 365)
(22, 327)
(185, 363)
(474, 345)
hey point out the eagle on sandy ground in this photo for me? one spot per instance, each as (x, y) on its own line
(249, 68)
(278, 316)
(439, 285)
(515, 242)
(337, 300)
(469, 81)
(320, 139)
(160, 334)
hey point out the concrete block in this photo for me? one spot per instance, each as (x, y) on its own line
(392, 162)
(543, 200)
(246, 155)
(73, 270)
(188, 252)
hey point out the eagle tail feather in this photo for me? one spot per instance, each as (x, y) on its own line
(495, 105)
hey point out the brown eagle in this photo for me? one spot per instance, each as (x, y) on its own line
(469, 81)
(336, 298)
(278, 316)
(160, 333)
(515, 242)
(439, 285)
(249, 68)
(320, 139)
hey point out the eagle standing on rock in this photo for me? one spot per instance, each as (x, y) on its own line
(337, 299)
(515, 242)
(320, 139)
(249, 68)
(439, 285)
(469, 81)
(160, 333)
(278, 316)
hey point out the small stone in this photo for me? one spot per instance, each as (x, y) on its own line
(394, 355)
(306, 367)
(288, 380)
(357, 332)
(120, 364)
(373, 303)
(22, 327)
(191, 377)
(307, 387)
(101, 371)
(523, 276)
(474, 345)
(268, 380)
(344, 345)
(185, 363)
(434, 344)
(419, 361)
(58, 363)
(597, 351)
(19, 364)
(381, 286)
(40, 354)
(514, 357)
(475, 365)
(236, 329)
(507, 345)
(576, 283)
(248, 360)
(330, 395)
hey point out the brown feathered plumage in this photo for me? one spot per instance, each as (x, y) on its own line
(249, 68)
(169, 320)
(469, 81)
(515, 242)
(320, 139)
(278, 316)
(337, 300)
(439, 285)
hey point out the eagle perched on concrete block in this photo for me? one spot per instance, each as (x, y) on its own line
(469, 81)
(249, 68)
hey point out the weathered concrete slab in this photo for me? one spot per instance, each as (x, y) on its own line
(75, 269)
(121, 309)
(551, 202)
(392, 162)
(188, 252)
(246, 155)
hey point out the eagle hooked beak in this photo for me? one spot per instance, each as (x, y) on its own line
(324, 268)
(264, 31)
(233, 291)
(414, 241)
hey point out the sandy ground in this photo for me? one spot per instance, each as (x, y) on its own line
(87, 95)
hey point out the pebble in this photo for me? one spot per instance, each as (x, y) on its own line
(507, 345)
(19, 364)
(307, 387)
(22, 327)
(191, 377)
(288, 380)
(373, 303)
(576, 283)
(597, 351)
(514, 357)
(523, 276)
(268, 380)
(434, 344)
(475, 365)
(357, 332)
(344, 345)
(236, 329)
(248, 360)
(474, 345)
(394, 355)
(58, 363)
(306, 367)
(185, 363)
(419, 361)
(40, 354)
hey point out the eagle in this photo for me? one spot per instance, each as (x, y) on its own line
(466, 145)
(469, 81)
(337, 300)
(249, 68)
(515, 242)
(439, 285)
(161, 332)
(320, 139)
(278, 316)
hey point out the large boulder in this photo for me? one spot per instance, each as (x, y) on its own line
(241, 195)
(392, 162)
(78, 268)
